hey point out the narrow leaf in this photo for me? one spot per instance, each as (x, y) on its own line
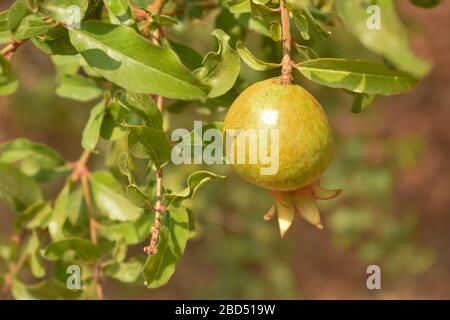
(91, 132)
(252, 61)
(175, 232)
(387, 37)
(194, 182)
(110, 198)
(356, 75)
(8, 79)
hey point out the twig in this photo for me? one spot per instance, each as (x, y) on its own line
(9, 50)
(152, 248)
(14, 268)
(81, 172)
(286, 71)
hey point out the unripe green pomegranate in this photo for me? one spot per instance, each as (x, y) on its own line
(304, 150)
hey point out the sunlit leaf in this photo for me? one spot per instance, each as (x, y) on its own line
(194, 182)
(221, 68)
(8, 79)
(110, 198)
(78, 88)
(126, 272)
(16, 13)
(144, 107)
(175, 232)
(16, 189)
(47, 290)
(391, 40)
(128, 232)
(91, 132)
(149, 143)
(59, 214)
(66, 11)
(73, 249)
(252, 61)
(357, 76)
(124, 57)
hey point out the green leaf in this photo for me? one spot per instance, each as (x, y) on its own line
(66, 65)
(302, 24)
(78, 88)
(37, 269)
(55, 42)
(314, 26)
(91, 132)
(196, 136)
(32, 249)
(175, 232)
(66, 11)
(252, 61)
(32, 26)
(194, 182)
(356, 75)
(111, 126)
(8, 79)
(239, 6)
(149, 143)
(47, 290)
(391, 40)
(119, 11)
(16, 13)
(305, 53)
(137, 196)
(77, 213)
(36, 215)
(5, 34)
(129, 60)
(426, 3)
(73, 249)
(361, 101)
(16, 189)
(128, 232)
(110, 199)
(126, 272)
(144, 107)
(276, 31)
(188, 56)
(163, 20)
(38, 160)
(59, 214)
(220, 69)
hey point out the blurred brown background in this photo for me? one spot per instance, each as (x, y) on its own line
(391, 160)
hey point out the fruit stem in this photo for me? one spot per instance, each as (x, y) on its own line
(286, 70)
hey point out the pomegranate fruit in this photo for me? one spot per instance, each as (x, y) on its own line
(303, 147)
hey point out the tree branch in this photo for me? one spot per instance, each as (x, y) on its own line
(9, 50)
(81, 172)
(152, 248)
